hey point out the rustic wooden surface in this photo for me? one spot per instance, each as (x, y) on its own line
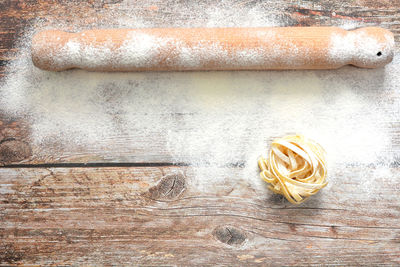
(140, 209)
(124, 215)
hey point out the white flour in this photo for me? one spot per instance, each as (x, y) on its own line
(213, 119)
(344, 48)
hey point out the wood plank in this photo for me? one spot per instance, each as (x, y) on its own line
(16, 15)
(180, 117)
(18, 133)
(171, 216)
(216, 215)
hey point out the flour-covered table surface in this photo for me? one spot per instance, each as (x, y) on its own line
(160, 168)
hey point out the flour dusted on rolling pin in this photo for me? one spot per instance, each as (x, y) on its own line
(212, 49)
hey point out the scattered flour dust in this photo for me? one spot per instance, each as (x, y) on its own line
(210, 120)
(344, 49)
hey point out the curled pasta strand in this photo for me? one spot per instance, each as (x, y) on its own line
(296, 168)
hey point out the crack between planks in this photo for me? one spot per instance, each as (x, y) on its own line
(272, 221)
(314, 236)
(94, 165)
(111, 164)
(125, 164)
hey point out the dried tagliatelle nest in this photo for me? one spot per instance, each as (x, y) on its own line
(295, 168)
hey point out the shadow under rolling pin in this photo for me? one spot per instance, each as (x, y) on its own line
(176, 49)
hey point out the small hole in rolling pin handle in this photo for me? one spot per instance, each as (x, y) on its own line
(379, 54)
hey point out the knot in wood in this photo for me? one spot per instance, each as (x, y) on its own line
(170, 187)
(229, 235)
(8, 254)
(12, 150)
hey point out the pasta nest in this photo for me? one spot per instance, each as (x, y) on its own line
(296, 168)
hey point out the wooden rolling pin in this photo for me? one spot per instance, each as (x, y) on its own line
(168, 49)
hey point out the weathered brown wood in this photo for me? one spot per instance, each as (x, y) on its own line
(153, 216)
(14, 144)
(158, 215)
(133, 145)
(18, 16)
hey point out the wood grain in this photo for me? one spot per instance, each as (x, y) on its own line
(54, 212)
(124, 215)
(16, 17)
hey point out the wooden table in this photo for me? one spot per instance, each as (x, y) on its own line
(76, 206)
